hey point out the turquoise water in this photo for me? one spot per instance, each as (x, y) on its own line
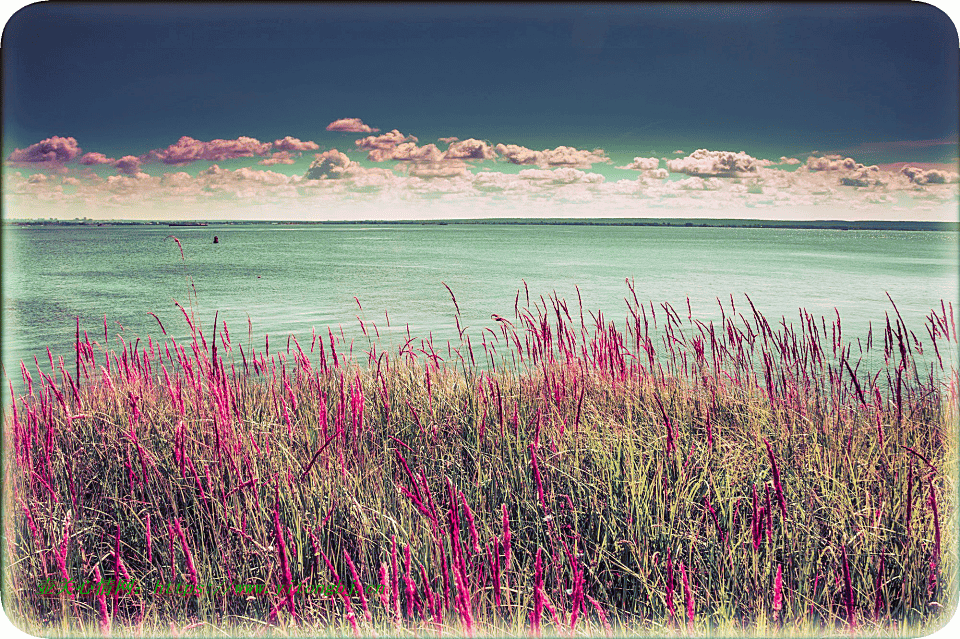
(293, 279)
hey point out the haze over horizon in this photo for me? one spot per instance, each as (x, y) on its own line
(298, 112)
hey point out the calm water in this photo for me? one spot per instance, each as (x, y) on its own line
(291, 279)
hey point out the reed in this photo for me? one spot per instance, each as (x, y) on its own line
(760, 471)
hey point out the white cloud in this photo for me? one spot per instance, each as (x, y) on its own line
(385, 141)
(695, 184)
(52, 150)
(493, 181)
(560, 156)
(278, 157)
(350, 125)
(832, 163)
(397, 146)
(931, 176)
(642, 164)
(128, 165)
(707, 163)
(561, 176)
(95, 158)
(293, 144)
(469, 149)
(407, 152)
(866, 176)
(329, 165)
(447, 168)
(188, 150)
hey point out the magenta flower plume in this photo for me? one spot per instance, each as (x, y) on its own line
(666, 422)
(474, 537)
(62, 558)
(384, 586)
(117, 566)
(506, 542)
(359, 586)
(537, 613)
(394, 580)
(536, 476)
(282, 555)
(102, 603)
(413, 482)
(552, 610)
(688, 593)
(601, 614)
(778, 590)
(408, 581)
(755, 524)
(776, 479)
(191, 568)
(348, 607)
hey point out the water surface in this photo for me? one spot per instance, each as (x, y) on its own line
(293, 279)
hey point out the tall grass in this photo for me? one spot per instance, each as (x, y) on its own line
(563, 475)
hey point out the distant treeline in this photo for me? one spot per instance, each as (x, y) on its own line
(841, 225)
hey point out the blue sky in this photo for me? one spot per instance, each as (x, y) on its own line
(759, 83)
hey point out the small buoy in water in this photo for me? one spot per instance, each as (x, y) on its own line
(216, 240)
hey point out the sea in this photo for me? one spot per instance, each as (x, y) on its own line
(279, 280)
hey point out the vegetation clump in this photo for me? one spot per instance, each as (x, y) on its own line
(560, 476)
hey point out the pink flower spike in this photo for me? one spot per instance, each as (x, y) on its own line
(474, 538)
(282, 554)
(776, 479)
(105, 620)
(778, 590)
(359, 586)
(689, 596)
(601, 614)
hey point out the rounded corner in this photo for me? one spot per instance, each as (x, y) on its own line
(9, 621)
(944, 16)
(17, 17)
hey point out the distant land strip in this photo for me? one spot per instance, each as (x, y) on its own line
(837, 225)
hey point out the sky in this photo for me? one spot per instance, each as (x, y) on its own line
(317, 112)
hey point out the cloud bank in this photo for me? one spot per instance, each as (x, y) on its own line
(468, 175)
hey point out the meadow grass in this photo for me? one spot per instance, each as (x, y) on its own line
(559, 476)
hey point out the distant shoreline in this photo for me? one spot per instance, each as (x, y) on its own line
(841, 225)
